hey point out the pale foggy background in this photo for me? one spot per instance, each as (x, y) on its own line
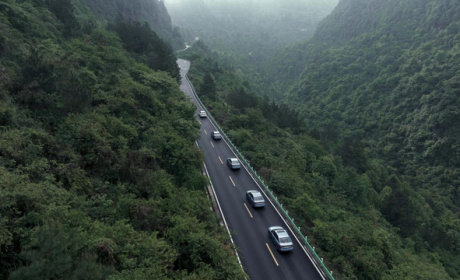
(243, 27)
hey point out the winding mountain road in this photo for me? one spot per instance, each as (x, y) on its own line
(248, 226)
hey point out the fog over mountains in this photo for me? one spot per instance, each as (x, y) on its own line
(376, 83)
(348, 110)
(267, 22)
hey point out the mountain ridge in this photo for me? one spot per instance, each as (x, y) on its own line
(379, 79)
(152, 12)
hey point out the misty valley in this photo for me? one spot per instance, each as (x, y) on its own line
(230, 139)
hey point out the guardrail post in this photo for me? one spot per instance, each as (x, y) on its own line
(260, 180)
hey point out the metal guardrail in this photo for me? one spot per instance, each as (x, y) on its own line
(274, 198)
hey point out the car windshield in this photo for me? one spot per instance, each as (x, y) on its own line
(284, 240)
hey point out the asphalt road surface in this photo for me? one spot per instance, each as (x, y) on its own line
(249, 226)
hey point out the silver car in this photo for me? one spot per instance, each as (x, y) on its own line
(255, 198)
(233, 163)
(280, 239)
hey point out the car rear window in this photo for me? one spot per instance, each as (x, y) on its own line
(285, 240)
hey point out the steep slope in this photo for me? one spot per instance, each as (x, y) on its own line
(150, 11)
(380, 79)
(338, 206)
(251, 31)
(99, 174)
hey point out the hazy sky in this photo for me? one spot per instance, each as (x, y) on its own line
(259, 1)
(286, 3)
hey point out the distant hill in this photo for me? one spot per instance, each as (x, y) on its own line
(380, 79)
(100, 177)
(251, 29)
(152, 12)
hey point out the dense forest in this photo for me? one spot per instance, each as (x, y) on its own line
(250, 33)
(379, 82)
(145, 11)
(254, 28)
(99, 174)
(100, 177)
(342, 198)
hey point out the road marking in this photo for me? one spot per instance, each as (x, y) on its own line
(221, 160)
(248, 210)
(205, 132)
(272, 254)
(232, 181)
(222, 213)
(212, 144)
(306, 251)
(304, 248)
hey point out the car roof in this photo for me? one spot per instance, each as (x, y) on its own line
(281, 233)
(275, 228)
(216, 131)
(254, 192)
(202, 112)
(234, 160)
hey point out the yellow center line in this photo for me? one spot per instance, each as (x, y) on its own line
(212, 144)
(205, 132)
(232, 181)
(248, 210)
(272, 254)
(221, 160)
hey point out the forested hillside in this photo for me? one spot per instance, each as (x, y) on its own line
(340, 198)
(380, 84)
(99, 174)
(243, 27)
(151, 11)
(250, 32)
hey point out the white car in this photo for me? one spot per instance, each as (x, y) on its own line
(202, 114)
(216, 135)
